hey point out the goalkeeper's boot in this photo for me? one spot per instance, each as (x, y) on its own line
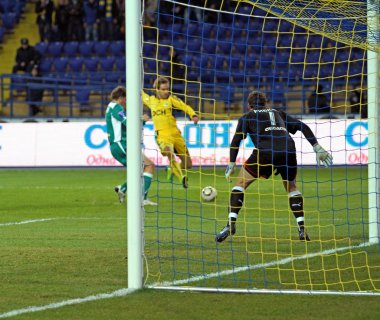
(185, 182)
(169, 174)
(148, 202)
(302, 235)
(229, 229)
(120, 194)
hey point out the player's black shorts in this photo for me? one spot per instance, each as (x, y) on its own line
(263, 164)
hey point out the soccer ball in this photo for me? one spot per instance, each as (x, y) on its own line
(209, 193)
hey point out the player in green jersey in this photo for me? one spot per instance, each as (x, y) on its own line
(116, 121)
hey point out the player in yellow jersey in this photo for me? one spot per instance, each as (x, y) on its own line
(168, 136)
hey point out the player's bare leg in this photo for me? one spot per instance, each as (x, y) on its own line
(296, 205)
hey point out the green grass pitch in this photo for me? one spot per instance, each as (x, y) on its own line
(63, 236)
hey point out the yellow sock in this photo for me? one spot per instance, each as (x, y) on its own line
(176, 168)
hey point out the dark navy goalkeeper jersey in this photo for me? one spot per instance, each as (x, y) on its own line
(269, 130)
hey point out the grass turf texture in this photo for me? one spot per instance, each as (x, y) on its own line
(81, 251)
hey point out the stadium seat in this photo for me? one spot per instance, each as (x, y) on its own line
(107, 63)
(82, 96)
(9, 20)
(209, 46)
(112, 77)
(224, 47)
(60, 64)
(76, 64)
(117, 48)
(70, 48)
(194, 45)
(313, 56)
(149, 49)
(85, 48)
(164, 51)
(96, 76)
(41, 47)
(91, 64)
(120, 63)
(191, 30)
(101, 48)
(177, 28)
(55, 49)
(220, 60)
(45, 65)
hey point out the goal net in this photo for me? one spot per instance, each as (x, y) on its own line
(310, 58)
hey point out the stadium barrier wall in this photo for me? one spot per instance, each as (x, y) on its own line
(85, 143)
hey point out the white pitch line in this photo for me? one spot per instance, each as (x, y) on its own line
(117, 293)
(26, 222)
(126, 291)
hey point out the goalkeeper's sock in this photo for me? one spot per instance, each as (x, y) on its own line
(296, 205)
(236, 200)
(147, 182)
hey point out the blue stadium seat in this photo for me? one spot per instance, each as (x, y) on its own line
(120, 63)
(209, 46)
(149, 49)
(234, 62)
(224, 47)
(164, 51)
(341, 69)
(60, 64)
(241, 47)
(191, 30)
(208, 76)
(222, 76)
(297, 56)
(194, 45)
(177, 28)
(101, 48)
(117, 48)
(82, 96)
(9, 20)
(220, 60)
(270, 25)
(325, 70)
(2, 31)
(55, 49)
(313, 56)
(107, 63)
(45, 65)
(91, 64)
(86, 48)
(76, 64)
(113, 77)
(97, 76)
(41, 47)
(70, 48)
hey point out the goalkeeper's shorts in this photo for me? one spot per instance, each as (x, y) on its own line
(262, 164)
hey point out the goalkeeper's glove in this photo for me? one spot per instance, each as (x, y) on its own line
(323, 157)
(229, 170)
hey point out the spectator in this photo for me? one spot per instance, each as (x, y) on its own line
(106, 20)
(90, 9)
(118, 14)
(75, 23)
(62, 20)
(358, 102)
(26, 57)
(44, 10)
(35, 92)
(318, 102)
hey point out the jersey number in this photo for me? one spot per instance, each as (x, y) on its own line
(272, 118)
